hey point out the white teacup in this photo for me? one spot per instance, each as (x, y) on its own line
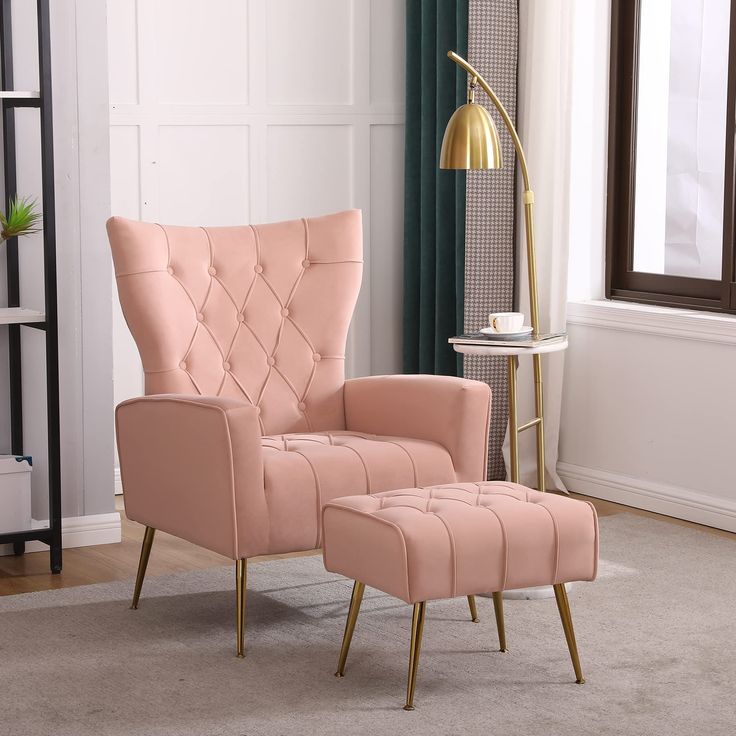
(505, 322)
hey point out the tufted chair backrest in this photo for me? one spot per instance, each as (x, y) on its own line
(258, 313)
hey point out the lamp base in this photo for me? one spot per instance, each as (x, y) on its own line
(530, 594)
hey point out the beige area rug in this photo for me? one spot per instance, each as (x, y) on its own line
(656, 635)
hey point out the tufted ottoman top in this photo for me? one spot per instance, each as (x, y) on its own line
(458, 539)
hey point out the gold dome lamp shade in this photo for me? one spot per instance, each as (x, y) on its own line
(471, 140)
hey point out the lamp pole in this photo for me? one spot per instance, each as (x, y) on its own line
(528, 200)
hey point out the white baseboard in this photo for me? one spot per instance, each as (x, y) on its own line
(80, 531)
(682, 503)
(118, 483)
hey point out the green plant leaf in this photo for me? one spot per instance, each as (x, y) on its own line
(23, 218)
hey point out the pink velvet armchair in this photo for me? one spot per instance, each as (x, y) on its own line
(249, 426)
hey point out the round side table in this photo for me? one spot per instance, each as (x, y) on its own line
(512, 353)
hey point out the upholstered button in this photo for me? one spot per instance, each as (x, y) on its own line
(183, 365)
(301, 406)
(211, 271)
(200, 317)
(170, 270)
(226, 366)
(241, 317)
(284, 312)
(306, 264)
(258, 268)
(316, 357)
(258, 410)
(271, 361)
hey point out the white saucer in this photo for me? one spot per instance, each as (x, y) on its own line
(518, 335)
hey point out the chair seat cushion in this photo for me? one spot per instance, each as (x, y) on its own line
(304, 471)
(444, 541)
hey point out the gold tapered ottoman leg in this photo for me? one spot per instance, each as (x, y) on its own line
(241, 577)
(498, 609)
(355, 600)
(143, 564)
(417, 628)
(473, 609)
(563, 605)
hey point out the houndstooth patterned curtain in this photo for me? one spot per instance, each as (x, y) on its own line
(493, 31)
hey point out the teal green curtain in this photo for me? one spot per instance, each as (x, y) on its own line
(434, 200)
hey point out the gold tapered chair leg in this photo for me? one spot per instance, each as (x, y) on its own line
(417, 628)
(241, 576)
(498, 609)
(473, 609)
(355, 600)
(563, 606)
(143, 564)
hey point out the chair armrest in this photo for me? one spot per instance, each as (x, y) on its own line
(453, 412)
(192, 466)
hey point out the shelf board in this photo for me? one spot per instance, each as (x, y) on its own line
(18, 315)
(18, 95)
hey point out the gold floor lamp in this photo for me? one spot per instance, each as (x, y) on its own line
(471, 142)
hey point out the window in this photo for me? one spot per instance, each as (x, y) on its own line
(670, 221)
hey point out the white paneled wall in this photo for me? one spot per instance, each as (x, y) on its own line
(80, 126)
(236, 111)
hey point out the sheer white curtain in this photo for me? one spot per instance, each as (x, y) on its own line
(697, 113)
(544, 121)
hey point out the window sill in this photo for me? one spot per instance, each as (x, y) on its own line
(684, 324)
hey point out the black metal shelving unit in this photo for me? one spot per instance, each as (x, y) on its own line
(15, 317)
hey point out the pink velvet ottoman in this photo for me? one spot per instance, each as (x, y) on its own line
(460, 539)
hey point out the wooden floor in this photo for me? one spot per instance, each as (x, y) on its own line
(107, 562)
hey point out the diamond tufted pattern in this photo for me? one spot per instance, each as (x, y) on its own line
(460, 539)
(257, 313)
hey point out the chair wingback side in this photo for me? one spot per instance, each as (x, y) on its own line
(258, 313)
